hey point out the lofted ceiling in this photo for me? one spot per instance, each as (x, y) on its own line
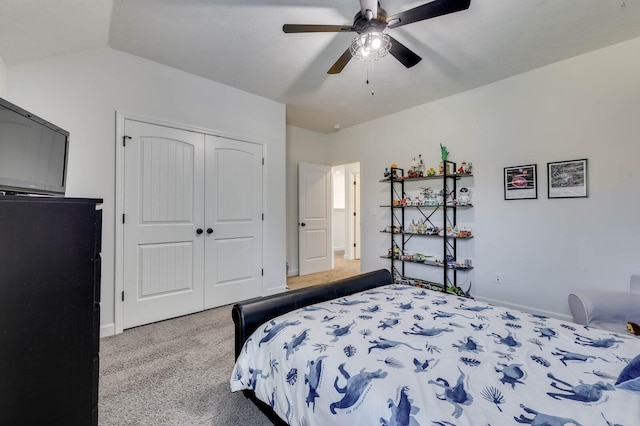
(240, 43)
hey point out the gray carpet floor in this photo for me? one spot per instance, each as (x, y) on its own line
(174, 372)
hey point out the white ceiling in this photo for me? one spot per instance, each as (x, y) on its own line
(240, 43)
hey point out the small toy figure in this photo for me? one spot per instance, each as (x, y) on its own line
(464, 233)
(421, 166)
(393, 173)
(431, 172)
(464, 197)
(441, 168)
(466, 168)
(427, 193)
(413, 170)
(414, 164)
(417, 167)
(444, 152)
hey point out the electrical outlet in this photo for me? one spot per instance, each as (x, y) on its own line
(498, 277)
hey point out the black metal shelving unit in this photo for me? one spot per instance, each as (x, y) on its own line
(449, 217)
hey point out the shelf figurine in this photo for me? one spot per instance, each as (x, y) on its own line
(464, 197)
(444, 152)
(465, 168)
(417, 167)
(441, 168)
(421, 166)
(393, 173)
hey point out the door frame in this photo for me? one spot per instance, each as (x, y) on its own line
(350, 170)
(121, 117)
(356, 216)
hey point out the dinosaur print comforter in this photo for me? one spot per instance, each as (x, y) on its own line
(402, 355)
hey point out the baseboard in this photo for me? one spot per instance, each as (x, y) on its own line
(107, 330)
(562, 317)
(293, 273)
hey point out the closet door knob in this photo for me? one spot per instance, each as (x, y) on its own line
(209, 231)
(199, 231)
(303, 224)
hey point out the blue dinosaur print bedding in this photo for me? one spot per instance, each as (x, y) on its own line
(399, 355)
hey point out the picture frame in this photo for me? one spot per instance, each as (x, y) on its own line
(521, 182)
(568, 179)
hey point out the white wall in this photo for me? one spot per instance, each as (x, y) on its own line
(81, 93)
(303, 146)
(584, 107)
(3, 78)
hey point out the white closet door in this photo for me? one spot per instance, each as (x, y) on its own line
(164, 208)
(233, 247)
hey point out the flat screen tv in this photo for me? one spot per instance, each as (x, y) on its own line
(33, 153)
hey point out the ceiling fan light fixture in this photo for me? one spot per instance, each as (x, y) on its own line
(370, 46)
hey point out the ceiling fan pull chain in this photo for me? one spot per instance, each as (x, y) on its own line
(372, 91)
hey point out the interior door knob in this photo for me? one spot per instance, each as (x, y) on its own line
(199, 231)
(303, 224)
(209, 231)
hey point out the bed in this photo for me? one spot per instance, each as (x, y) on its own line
(366, 351)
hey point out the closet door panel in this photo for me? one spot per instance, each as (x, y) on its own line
(164, 208)
(233, 210)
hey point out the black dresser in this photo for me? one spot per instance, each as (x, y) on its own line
(49, 310)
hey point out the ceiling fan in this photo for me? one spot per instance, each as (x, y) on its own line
(370, 22)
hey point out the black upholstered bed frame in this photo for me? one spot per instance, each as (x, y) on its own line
(250, 314)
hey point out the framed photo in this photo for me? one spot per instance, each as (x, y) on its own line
(567, 179)
(521, 182)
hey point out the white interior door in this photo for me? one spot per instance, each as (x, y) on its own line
(163, 250)
(233, 242)
(314, 218)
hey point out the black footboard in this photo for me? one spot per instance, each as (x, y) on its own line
(250, 314)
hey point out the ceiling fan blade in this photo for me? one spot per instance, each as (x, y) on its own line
(341, 62)
(426, 11)
(403, 54)
(303, 28)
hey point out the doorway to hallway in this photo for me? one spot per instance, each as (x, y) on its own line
(343, 268)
